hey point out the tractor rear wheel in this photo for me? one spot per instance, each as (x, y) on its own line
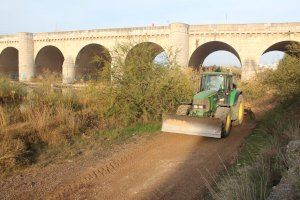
(239, 111)
(227, 125)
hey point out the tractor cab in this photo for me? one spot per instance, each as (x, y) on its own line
(220, 83)
(217, 81)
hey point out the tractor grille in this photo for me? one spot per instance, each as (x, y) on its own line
(202, 102)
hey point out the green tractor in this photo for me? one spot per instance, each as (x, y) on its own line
(214, 109)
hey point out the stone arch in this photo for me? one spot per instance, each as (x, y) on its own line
(205, 49)
(90, 60)
(272, 54)
(279, 46)
(9, 62)
(147, 50)
(49, 61)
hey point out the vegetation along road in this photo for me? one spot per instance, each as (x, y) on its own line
(92, 143)
(169, 166)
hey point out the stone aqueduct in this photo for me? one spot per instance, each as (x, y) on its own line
(23, 54)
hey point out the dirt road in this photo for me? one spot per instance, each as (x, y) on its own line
(169, 166)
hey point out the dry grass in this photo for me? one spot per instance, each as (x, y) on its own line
(10, 92)
(3, 118)
(262, 160)
(249, 183)
(43, 120)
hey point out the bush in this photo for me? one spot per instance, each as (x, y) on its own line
(141, 89)
(256, 88)
(46, 117)
(248, 183)
(286, 79)
(11, 91)
(261, 162)
(282, 83)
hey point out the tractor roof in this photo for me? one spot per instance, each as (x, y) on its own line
(217, 73)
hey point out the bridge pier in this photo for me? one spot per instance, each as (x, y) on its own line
(26, 56)
(179, 39)
(248, 71)
(69, 70)
(249, 67)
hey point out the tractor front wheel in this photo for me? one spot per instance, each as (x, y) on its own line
(224, 114)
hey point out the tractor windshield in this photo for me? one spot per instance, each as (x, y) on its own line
(212, 82)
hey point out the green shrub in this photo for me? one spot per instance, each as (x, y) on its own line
(286, 79)
(283, 83)
(51, 120)
(256, 88)
(141, 90)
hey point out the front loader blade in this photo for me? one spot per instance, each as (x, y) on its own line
(208, 127)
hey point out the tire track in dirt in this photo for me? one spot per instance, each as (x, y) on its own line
(103, 170)
(168, 167)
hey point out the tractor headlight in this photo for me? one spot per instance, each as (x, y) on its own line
(199, 106)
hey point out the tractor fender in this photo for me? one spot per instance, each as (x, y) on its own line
(234, 96)
(234, 108)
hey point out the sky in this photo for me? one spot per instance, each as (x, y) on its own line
(61, 15)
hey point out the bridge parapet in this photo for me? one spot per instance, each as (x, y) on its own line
(104, 33)
(9, 39)
(246, 28)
